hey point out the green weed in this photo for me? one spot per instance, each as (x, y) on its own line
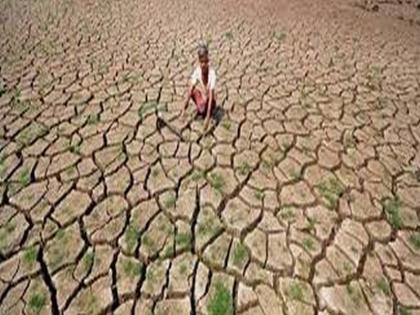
(280, 36)
(131, 236)
(183, 240)
(415, 240)
(170, 201)
(331, 190)
(131, 269)
(93, 119)
(229, 35)
(295, 291)
(197, 175)
(392, 211)
(88, 261)
(259, 194)
(226, 125)
(308, 244)
(384, 286)
(221, 302)
(216, 181)
(244, 169)
(24, 177)
(30, 255)
(37, 302)
(239, 254)
(402, 310)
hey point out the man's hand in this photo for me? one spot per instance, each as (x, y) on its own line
(206, 124)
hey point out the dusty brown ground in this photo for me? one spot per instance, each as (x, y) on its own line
(304, 197)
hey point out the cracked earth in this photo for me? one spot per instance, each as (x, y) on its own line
(302, 198)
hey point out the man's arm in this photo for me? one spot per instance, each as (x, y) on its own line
(209, 105)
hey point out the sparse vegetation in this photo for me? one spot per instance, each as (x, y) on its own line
(244, 169)
(75, 148)
(59, 249)
(353, 293)
(132, 234)
(347, 267)
(331, 190)
(72, 170)
(229, 35)
(226, 125)
(308, 243)
(287, 213)
(295, 174)
(91, 303)
(168, 251)
(221, 301)
(155, 172)
(88, 261)
(197, 175)
(266, 165)
(93, 119)
(150, 274)
(170, 201)
(24, 177)
(259, 194)
(295, 291)
(240, 254)
(2, 89)
(147, 108)
(2, 166)
(311, 224)
(147, 241)
(183, 240)
(384, 286)
(30, 255)
(4, 232)
(37, 302)
(392, 211)
(131, 268)
(216, 181)
(280, 36)
(206, 227)
(402, 310)
(415, 240)
(183, 269)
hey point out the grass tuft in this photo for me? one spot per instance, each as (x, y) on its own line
(392, 211)
(131, 268)
(384, 286)
(331, 189)
(221, 302)
(244, 169)
(30, 255)
(88, 260)
(239, 254)
(37, 302)
(295, 291)
(183, 240)
(216, 181)
(132, 234)
(415, 240)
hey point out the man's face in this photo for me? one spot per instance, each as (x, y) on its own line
(204, 62)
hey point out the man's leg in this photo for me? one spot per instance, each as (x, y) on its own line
(199, 100)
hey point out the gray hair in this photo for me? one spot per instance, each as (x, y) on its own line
(202, 50)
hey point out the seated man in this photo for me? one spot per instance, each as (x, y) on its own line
(201, 89)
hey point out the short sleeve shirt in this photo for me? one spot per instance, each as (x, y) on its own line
(196, 77)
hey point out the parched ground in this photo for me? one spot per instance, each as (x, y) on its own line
(303, 197)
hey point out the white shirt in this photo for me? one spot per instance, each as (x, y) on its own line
(196, 77)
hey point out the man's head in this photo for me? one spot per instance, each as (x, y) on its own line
(203, 56)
